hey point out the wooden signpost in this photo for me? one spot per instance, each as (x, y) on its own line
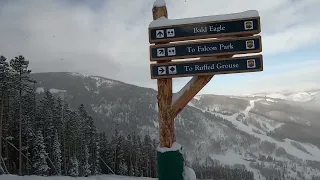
(205, 48)
(205, 27)
(235, 33)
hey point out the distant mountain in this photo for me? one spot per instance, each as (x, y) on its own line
(267, 135)
(309, 98)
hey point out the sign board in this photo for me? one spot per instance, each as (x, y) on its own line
(207, 67)
(203, 30)
(205, 48)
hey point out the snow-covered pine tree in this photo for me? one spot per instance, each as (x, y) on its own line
(140, 158)
(136, 156)
(57, 117)
(153, 157)
(147, 152)
(4, 80)
(112, 155)
(39, 157)
(20, 77)
(97, 168)
(120, 152)
(65, 113)
(74, 166)
(45, 120)
(128, 148)
(104, 153)
(86, 166)
(123, 168)
(57, 154)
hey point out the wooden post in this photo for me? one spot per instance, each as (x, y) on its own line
(170, 163)
(166, 121)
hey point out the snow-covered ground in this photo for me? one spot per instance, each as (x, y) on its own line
(102, 177)
(231, 157)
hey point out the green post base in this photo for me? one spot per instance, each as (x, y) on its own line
(170, 165)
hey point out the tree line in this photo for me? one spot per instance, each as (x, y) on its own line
(44, 136)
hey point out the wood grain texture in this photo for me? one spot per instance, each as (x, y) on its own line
(166, 121)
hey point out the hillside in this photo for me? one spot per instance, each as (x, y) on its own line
(269, 136)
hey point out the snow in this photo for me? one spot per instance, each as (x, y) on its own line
(231, 158)
(52, 90)
(40, 90)
(102, 177)
(302, 97)
(189, 174)
(78, 74)
(297, 96)
(270, 100)
(197, 97)
(169, 22)
(247, 110)
(177, 95)
(286, 144)
(175, 147)
(102, 81)
(276, 96)
(159, 3)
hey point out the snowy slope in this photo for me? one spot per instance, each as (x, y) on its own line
(247, 119)
(103, 177)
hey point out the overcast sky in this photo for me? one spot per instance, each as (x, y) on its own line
(110, 39)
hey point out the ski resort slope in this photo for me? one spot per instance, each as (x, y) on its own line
(102, 177)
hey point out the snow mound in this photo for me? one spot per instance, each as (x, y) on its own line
(169, 22)
(189, 174)
(175, 147)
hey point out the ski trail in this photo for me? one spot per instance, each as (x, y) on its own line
(251, 106)
(248, 109)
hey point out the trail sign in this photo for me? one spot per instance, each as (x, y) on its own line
(245, 23)
(242, 45)
(207, 67)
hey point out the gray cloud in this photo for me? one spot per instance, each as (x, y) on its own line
(112, 40)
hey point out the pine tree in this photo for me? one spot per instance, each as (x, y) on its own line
(57, 154)
(136, 153)
(112, 155)
(86, 166)
(40, 156)
(97, 168)
(4, 80)
(120, 152)
(123, 168)
(46, 119)
(20, 71)
(74, 169)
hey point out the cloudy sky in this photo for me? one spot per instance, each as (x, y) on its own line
(110, 38)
